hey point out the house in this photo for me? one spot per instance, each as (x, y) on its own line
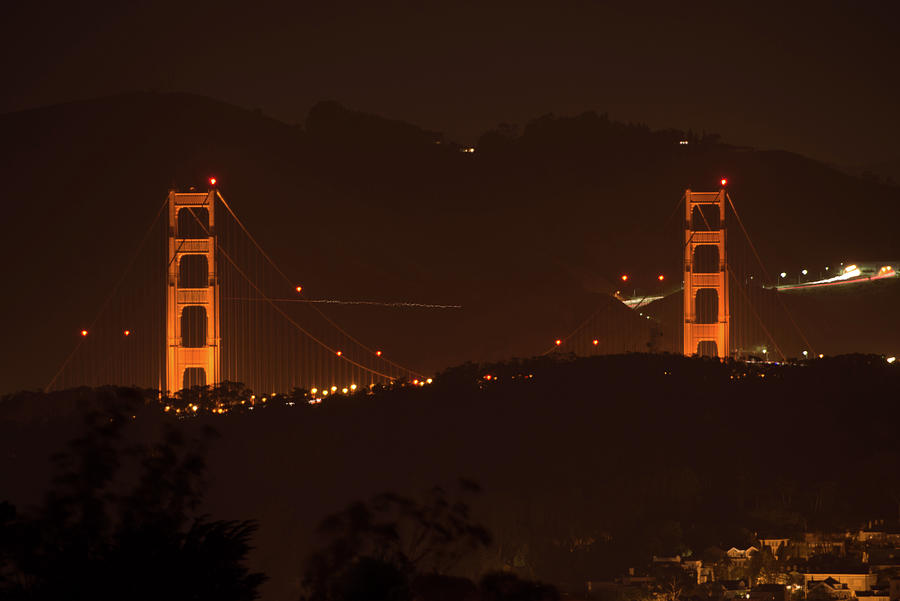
(882, 558)
(828, 589)
(735, 589)
(818, 543)
(852, 581)
(770, 592)
(775, 545)
(740, 556)
(635, 579)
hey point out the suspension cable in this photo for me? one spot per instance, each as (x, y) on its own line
(766, 273)
(755, 314)
(283, 313)
(109, 298)
(312, 306)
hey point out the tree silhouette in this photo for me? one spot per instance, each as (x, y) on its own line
(388, 536)
(120, 521)
(397, 548)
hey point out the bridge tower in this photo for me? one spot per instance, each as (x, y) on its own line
(706, 315)
(192, 292)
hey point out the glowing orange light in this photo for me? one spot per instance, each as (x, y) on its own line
(377, 353)
(84, 332)
(724, 182)
(339, 353)
(624, 277)
(127, 332)
(299, 288)
(212, 181)
(558, 342)
(661, 277)
(595, 342)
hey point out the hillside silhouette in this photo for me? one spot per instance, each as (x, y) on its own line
(588, 467)
(528, 233)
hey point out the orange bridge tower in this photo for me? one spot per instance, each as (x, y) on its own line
(706, 316)
(192, 292)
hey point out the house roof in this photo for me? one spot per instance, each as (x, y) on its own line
(770, 588)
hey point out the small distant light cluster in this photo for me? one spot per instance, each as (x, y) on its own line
(488, 379)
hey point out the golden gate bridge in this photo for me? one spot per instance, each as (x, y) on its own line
(201, 303)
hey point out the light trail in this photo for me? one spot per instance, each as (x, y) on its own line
(852, 275)
(335, 301)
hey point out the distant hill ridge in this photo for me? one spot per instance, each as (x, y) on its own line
(525, 232)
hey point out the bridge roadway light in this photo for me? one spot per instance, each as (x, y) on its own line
(783, 274)
(804, 272)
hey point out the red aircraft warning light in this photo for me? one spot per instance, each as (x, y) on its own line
(595, 342)
(377, 353)
(127, 332)
(624, 277)
(724, 182)
(299, 288)
(661, 277)
(212, 181)
(557, 342)
(84, 333)
(339, 353)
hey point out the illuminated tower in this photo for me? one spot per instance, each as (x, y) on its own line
(706, 316)
(192, 292)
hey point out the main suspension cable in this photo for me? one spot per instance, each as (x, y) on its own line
(312, 306)
(283, 313)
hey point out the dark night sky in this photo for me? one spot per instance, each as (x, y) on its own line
(819, 78)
